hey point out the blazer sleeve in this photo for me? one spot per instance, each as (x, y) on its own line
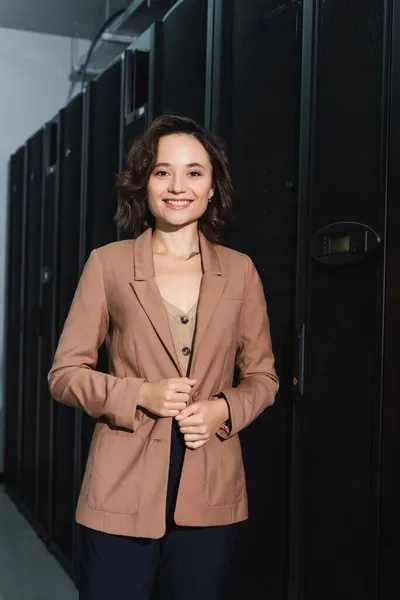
(72, 378)
(258, 379)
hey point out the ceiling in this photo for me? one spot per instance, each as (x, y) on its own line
(58, 17)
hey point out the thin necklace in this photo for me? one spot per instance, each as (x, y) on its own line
(191, 255)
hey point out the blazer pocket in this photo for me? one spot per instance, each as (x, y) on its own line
(225, 480)
(116, 473)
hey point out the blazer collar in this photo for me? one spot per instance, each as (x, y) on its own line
(143, 256)
(145, 287)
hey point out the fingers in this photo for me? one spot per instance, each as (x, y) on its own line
(173, 396)
(195, 445)
(199, 429)
(183, 384)
(190, 382)
(168, 413)
(194, 437)
(178, 406)
(194, 422)
(188, 412)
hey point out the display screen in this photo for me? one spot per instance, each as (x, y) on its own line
(340, 243)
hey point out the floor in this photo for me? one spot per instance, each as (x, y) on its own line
(27, 570)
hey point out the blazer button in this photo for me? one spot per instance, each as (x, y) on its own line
(185, 351)
(184, 320)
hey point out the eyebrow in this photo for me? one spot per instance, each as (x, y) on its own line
(165, 164)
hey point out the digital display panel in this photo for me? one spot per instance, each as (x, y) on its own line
(340, 243)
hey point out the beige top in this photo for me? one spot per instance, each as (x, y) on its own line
(182, 329)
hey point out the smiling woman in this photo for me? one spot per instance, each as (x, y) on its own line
(164, 483)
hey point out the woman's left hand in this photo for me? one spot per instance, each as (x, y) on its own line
(201, 420)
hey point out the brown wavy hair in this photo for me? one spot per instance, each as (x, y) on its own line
(133, 213)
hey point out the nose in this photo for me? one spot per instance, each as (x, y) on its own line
(177, 184)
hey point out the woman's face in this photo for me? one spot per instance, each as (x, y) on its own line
(180, 185)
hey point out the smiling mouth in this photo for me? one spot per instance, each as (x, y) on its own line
(177, 204)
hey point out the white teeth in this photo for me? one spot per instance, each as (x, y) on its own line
(177, 202)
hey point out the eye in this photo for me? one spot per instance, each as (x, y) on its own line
(161, 173)
(194, 174)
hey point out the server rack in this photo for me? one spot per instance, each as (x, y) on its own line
(100, 162)
(348, 243)
(30, 316)
(137, 94)
(47, 320)
(135, 100)
(68, 271)
(253, 82)
(388, 555)
(98, 202)
(13, 323)
(164, 71)
(181, 69)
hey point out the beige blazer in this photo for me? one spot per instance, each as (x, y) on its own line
(117, 300)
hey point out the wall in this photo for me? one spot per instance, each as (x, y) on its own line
(34, 71)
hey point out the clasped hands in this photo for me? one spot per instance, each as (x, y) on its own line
(169, 398)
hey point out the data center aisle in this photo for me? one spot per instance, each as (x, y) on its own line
(27, 570)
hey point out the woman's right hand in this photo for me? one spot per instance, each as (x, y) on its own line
(167, 397)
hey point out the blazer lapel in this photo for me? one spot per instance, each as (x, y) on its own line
(212, 287)
(145, 287)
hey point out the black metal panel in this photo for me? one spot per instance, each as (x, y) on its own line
(256, 55)
(389, 535)
(31, 318)
(136, 97)
(47, 320)
(68, 271)
(343, 311)
(102, 158)
(100, 163)
(13, 323)
(182, 60)
(130, 132)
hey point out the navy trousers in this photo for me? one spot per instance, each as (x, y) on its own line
(191, 562)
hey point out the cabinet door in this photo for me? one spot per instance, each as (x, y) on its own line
(31, 275)
(47, 320)
(13, 323)
(68, 271)
(181, 60)
(253, 102)
(342, 180)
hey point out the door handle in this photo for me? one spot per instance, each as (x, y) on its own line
(301, 348)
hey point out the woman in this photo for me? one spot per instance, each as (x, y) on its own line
(164, 484)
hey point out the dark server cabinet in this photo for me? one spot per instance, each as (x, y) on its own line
(13, 323)
(65, 419)
(164, 71)
(100, 164)
(253, 85)
(102, 107)
(31, 275)
(389, 510)
(47, 321)
(136, 95)
(136, 90)
(348, 299)
(181, 61)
